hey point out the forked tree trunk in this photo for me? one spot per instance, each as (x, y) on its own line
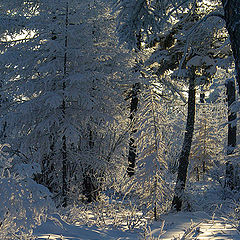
(232, 134)
(132, 145)
(184, 156)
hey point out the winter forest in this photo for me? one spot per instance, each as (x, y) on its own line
(119, 119)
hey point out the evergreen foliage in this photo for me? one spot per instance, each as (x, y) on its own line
(64, 103)
(89, 122)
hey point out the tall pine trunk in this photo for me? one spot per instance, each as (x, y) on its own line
(232, 133)
(184, 156)
(132, 145)
(64, 143)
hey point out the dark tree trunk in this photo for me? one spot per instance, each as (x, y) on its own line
(48, 171)
(90, 190)
(202, 97)
(64, 172)
(232, 18)
(202, 100)
(184, 156)
(133, 109)
(132, 145)
(64, 140)
(232, 133)
(232, 130)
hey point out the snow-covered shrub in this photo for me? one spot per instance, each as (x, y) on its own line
(113, 210)
(24, 203)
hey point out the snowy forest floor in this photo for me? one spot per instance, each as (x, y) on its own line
(184, 225)
(211, 217)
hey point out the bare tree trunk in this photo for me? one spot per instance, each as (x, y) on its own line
(232, 134)
(184, 156)
(132, 146)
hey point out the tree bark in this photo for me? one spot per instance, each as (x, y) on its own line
(89, 184)
(184, 156)
(202, 100)
(232, 133)
(133, 109)
(64, 140)
(132, 145)
(232, 18)
(90, 190)
(232, 129)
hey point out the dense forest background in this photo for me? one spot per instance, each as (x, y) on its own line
(127, 105)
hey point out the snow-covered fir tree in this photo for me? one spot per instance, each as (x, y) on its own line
(64, 105)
